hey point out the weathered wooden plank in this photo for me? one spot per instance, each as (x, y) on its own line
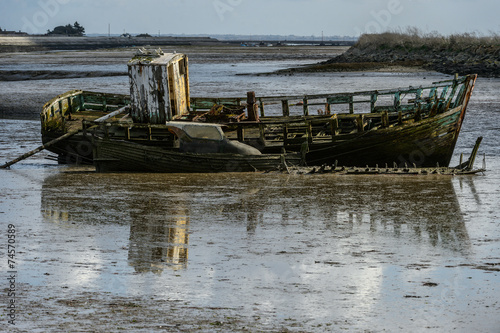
(385, 119)
(309, 131)
(285, 135)
(285, 108)
(42, 147)
(262, 133)
(305, 106)
(360, 121)
(334, 125)
(262, 113)
(240, 131)
(373, 102)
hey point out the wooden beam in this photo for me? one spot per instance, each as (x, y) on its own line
(42, 147)
(262, 114)
(309, 131)
(385, 119)
(306, 107)
(334, 125)
(360, 122)
(285, 108)
(112, 114)
(252, 107)
(262, 133)
(241, 133)
(285, 135)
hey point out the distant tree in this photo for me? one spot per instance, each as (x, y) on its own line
(79, 29)
(143, 35)
(68, 29)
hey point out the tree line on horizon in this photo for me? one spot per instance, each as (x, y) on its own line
(69, 30)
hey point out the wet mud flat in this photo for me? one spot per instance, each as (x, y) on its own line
(252, 252)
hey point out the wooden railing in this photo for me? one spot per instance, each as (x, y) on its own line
(71, 103)
(440, 95)
(293, 118)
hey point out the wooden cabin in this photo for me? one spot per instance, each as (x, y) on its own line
(159, 87)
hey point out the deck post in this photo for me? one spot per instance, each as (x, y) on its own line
(351, 104)
(241, 133)
(385, 119)
(262, 114)
(285, 108)
(418, 113)
(81, 100)
(472, 158)
(435, 106)
(328, 109)
(309, 131)
(397, 101)
(306, 106)
(285, 135)
(334, 125)
(262, 133)
(252, 107)
(360, 122)
(373, 102)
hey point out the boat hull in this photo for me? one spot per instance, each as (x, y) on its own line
(125, 156)
(424, 144)
(74, 150)
(415, 126)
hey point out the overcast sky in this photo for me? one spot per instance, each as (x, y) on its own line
(261, 17)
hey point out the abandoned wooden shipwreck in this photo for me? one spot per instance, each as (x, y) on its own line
(415, 126)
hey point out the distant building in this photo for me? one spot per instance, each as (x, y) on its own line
(17, 33)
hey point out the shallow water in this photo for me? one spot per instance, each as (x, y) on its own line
(305, 253)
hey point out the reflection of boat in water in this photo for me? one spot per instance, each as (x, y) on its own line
(422, 210)
(158, 232)
(154, 213)
(415, 126)
(155, 246)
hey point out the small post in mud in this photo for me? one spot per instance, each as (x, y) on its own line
(252, 107)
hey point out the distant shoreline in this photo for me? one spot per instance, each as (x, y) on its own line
(12, 44)
(44, 43)
(389, 52)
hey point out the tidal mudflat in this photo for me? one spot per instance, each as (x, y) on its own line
(252, 252)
